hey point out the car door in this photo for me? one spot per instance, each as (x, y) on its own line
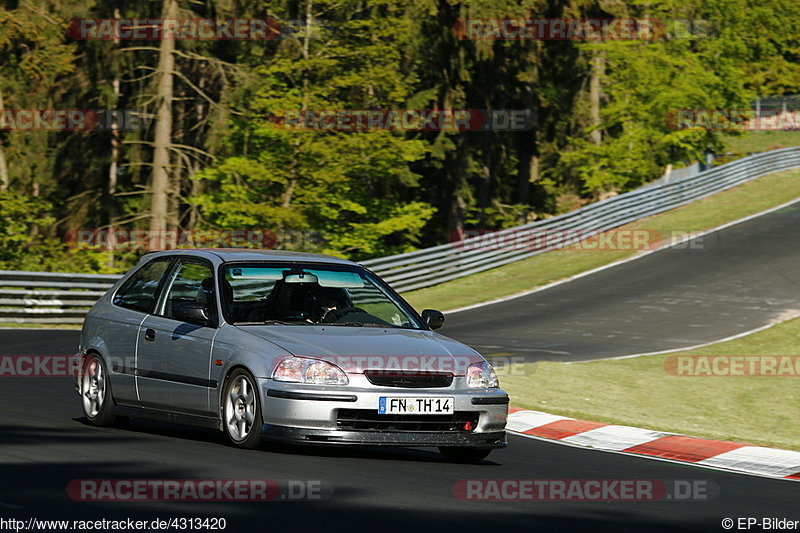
(174, 356)
(133, 301)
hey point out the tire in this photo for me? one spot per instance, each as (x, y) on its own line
(241, 411)
(97, 399)
(462, 454)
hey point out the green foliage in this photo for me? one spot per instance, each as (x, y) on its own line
(740, 51)
(21, 220)
(33, 56)
(366, 193)
(342, 184)
(19, 217)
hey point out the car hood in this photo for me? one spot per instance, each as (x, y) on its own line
(355, 349)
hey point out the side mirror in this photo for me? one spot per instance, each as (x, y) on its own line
(432, 318)
(193, 313)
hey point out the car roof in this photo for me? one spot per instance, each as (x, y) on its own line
(240, 254)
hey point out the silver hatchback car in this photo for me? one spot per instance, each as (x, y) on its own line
(288, 346)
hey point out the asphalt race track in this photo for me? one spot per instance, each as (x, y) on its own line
(743, 277)
(726, 283)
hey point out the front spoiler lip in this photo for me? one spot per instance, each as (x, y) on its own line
(495, 439)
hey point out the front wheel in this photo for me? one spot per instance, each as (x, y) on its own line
(462, 454)
(96, 397)
(242, 411)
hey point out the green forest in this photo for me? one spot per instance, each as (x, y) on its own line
(209, 151)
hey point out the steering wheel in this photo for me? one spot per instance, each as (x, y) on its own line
(336, 315)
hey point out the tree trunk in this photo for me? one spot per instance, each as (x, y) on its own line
(4, 181)
(115, 133)
(160, 184)
(528, 169)
(195, 186)
(178, 168)
(113, 168)
(455, 163)
(196, 190)
(288, 193)
(595, 91)
(485, 191)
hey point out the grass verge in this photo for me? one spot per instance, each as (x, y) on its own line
(761, 141)
(733, 204)
(17, 325)
(640, 392)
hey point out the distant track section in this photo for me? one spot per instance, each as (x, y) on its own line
(432, 266)
(725, 283)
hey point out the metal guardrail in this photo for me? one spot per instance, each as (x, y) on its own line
(431, 266)
(62, 298)
(49, 298)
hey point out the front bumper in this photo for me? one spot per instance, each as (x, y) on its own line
(495, 439)
(311, 415)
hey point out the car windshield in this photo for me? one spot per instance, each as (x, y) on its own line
(310, 295)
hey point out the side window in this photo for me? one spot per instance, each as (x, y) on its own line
(139, 292)
(192, 285)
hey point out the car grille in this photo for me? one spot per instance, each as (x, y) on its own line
(367, 420)
(409, 380)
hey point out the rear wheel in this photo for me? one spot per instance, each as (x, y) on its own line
(242, 410)
(96, 397)
(462, 454)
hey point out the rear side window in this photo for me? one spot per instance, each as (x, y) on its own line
(139, 292)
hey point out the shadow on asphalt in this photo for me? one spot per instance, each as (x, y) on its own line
(44, 496)
(177, 431)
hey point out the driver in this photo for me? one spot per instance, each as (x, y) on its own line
(324, 302)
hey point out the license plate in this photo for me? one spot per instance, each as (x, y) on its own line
(415, 406)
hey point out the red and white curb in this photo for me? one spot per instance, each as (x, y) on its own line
(732, 456)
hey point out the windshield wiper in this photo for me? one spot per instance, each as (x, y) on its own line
(270, 323)
(361, 325)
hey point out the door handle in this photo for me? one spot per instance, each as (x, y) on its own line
(150, 335)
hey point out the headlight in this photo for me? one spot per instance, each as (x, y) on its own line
(313, 371)
(481, 376)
